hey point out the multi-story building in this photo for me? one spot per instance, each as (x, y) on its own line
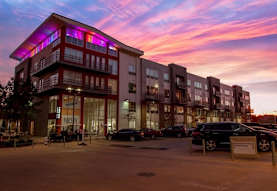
(198, 100)
(87, 79)
(78, 71)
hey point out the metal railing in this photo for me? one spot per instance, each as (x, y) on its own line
(75, 59)
(98, 90)
(112, 52)
(96, 47)
(48, 84)
(48, 61)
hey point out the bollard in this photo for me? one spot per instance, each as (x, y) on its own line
(273, 153)
(14, 143)
(64, 141)
(90, 138)
(32, 144)
(204, 146)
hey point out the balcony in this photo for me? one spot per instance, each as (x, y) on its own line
(75, 59)
(180, 100)
(151, 97)
(181, 86)
(46, 63)
(98, 90)
(74, 41)
(107, 70)
(48, 84)
(198, 103)
(72, 82)
(96, 47)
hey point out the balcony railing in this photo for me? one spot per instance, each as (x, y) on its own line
(74, 41)
(72, 82)
(96, 47)
(75, 59)
(100, 69)
(48, 84)
(98, 90)
(48, 61)
(154, 97)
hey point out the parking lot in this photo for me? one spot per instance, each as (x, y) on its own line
(162, 164)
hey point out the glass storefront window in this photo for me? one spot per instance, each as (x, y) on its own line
(94, 115)
(71, 110)
(112, 115)
(53, 102)
(112, 84)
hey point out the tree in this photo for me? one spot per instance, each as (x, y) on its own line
(17, 102)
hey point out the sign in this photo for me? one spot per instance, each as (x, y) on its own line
(58, 112)
(244, 146)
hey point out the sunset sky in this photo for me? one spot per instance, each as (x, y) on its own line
(234, 40)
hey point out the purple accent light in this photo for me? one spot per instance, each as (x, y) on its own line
(75, 33)
(95, 40)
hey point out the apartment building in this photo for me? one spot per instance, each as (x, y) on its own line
(78, 71)
(88, 80)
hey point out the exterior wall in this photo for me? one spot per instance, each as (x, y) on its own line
(227, 103)
(197, 110)
(125, 59)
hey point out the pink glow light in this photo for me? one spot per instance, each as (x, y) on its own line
(74, 33)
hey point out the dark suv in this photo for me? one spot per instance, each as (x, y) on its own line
(218, 134)
(175, 131)
(125, 134)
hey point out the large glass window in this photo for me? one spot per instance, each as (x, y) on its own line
(73, 55)
(72, 78)
(166, 77)
(94, 115)
(112, 84)
(112, 115)
(53, 102)
(71, 112)
(132, 69)
(113, 66)
(132, 88)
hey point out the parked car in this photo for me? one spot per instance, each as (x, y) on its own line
(175, 131)
(125, 134)
(218, 134)
(151, 133)
(265, 125)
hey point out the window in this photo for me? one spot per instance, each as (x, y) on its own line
(152, 73)
(112, 84)
(167, 93)
(179, 109)
(87, 81)
(102, 83)
(227, 92)
(97, 82)
(73, 55)
(197, 85)
(103, 64)
(166, 77)
(188, 82)
(21, 75)
(132, 69)
(132, 88)
(113, 67)
(132, 106)
(91, 82)
(197, 98)
(87, 60)
(206, 87)
(166, 108)
(97, 64)
(92, 61)
(53, 102)
(72, 78)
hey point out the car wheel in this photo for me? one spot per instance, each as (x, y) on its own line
(132, 138)
(179, 135)
(110, 137)
(264, 145)
(153, 137)
(210, 145)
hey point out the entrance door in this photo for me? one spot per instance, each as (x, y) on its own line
(94, 116)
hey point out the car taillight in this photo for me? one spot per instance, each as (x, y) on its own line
(195, 133)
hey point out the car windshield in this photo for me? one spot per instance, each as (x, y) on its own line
(247, 127)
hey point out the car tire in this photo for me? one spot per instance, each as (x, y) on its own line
(132, 138)
(264, 145)
(210, 145)
(179, 135)
(110, 137)
(153, 137)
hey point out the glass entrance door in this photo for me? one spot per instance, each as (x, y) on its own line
(94, 116)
